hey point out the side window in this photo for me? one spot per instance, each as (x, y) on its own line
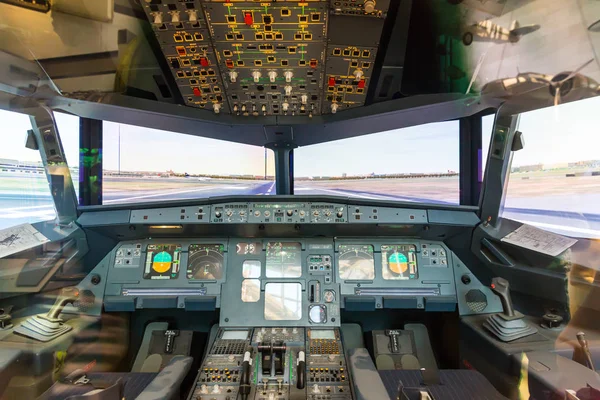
(24, 192)
(487, 128)
(554, 181)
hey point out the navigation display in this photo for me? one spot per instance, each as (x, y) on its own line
(284, 260)
(356, 262)
(399, 261)
(205, 262)
(162, 261)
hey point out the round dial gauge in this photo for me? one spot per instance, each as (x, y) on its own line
(329, 296)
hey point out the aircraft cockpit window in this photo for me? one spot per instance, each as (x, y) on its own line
(144, 165)
(283, 301)
(356, 262)
(284, 260)
(250, 290)
(554, 180)
(23, 184)
(418, 164)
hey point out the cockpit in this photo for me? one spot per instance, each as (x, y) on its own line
(299, 199)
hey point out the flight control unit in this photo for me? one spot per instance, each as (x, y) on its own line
(269, 58)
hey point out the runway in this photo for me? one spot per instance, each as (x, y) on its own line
(577, 217)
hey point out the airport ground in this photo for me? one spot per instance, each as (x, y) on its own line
(551, 200)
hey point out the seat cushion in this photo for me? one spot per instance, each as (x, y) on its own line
(460, 384)
(134, 384)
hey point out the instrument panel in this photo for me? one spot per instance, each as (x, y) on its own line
(251, 58)
(279, 281)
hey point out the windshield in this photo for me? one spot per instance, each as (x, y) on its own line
(148, 165)
(417, 164)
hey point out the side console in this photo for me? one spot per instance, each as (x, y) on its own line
(274, 363)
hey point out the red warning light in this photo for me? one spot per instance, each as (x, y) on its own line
(248, 19)
(204, 62)
(361, 84)
(331, 81)
(197, 92)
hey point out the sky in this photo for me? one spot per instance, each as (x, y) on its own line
(570, 132)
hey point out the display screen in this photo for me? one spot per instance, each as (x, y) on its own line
(248, 248)
(162, 261)
(205, 262)
(283, 301)
(356, 262)
(235, 335)
(399, 261)
(322, 334)
(284, 260)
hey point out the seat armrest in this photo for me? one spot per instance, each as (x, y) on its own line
(167, 383)
(365, 377)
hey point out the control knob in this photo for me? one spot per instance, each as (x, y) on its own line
(193, 15)
(285, 106)
(256, 75)
(339, 214)
(288, 76)
(369, 6)
(289, 213)
(216, 108)
(288, 90)
(304, 99)
(334, 108)
(358, 74)
(233, 76)
(267, 213)
(175, 17)
(218, 214)
(158, 18)
(272, 76)
(229, 213)
(327, 213)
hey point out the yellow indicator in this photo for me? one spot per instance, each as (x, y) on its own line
(161, 267)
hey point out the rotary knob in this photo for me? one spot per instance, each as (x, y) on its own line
(256, 76)
(233, 76)
(289, 213)
(218, 214)
(272, 76)
(288, 90)
(551, 321)
(369, 6)
(288, 76)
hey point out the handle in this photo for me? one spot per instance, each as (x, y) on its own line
(67, 295)
(301, 370)
(245, 377)
(501, 287)
(586, 350)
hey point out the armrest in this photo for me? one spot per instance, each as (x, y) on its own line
(367, 381)
(167, 383)
(552, 372)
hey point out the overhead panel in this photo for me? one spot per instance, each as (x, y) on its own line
(184, 38)
(257, 58)
(271, 54)
(354, 33)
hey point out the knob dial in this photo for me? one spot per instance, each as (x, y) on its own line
(233, 76)
(272, 76)
(369, 6)
(288, 90)
(289, 213)
(256, 75)
(288, 76)
(339, 214)
(218, 214)
(334, 108)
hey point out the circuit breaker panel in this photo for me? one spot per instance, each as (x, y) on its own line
(256, 58)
